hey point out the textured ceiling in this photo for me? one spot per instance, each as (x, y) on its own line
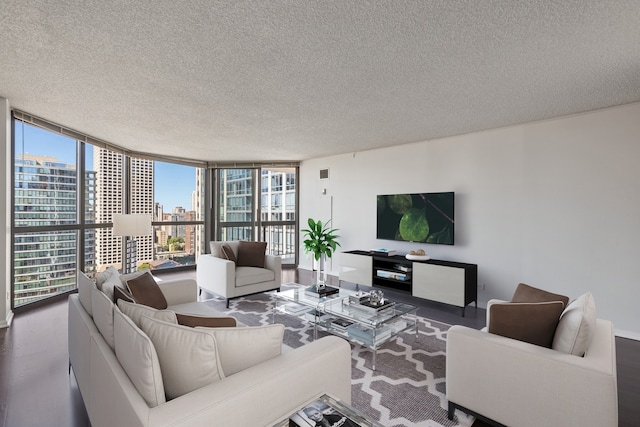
(291, 80)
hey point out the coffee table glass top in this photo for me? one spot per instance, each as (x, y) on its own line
(369, 317)
(298, 295)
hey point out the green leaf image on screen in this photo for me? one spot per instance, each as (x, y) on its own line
(418, 217)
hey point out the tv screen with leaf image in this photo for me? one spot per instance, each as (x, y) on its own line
(420, 217)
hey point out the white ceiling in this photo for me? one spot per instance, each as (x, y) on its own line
(291, 80)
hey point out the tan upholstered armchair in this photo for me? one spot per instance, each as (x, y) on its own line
(238, 268)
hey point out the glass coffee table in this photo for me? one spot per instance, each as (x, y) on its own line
(341, 314)
(333, 410)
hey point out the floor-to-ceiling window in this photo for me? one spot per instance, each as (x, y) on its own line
(45, 214)
(266, 211)
(67, 186)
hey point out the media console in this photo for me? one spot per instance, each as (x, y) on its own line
(454, 283)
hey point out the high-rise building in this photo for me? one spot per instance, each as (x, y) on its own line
(46, 195)
(109, 200)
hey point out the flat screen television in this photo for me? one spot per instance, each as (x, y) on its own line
(419, 217)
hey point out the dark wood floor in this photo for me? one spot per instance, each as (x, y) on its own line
(36, 389)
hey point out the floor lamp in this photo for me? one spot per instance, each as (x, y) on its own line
(128, 226)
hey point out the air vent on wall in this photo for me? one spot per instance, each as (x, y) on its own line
(324, 173)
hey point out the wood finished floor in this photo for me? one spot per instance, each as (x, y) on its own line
(37, 390)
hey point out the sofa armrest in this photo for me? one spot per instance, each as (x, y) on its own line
(517, 383)
(267, 392)
(274, 263)
(216, 275)
(179, 291)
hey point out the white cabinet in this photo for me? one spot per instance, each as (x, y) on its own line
(356, 268)
(448, 282)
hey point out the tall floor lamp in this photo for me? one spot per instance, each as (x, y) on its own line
(128, 226)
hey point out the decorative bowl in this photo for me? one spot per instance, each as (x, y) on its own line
(417, 257)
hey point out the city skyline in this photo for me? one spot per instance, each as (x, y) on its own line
(172, 187)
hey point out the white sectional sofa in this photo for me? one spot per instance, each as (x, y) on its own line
(257, 396)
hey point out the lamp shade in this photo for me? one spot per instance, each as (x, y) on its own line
(131, 224)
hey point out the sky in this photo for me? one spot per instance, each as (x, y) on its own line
(173, 183)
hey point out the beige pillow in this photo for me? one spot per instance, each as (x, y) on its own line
(243, 347)
(188, 356)
(136, 311)
(216, 247)
(138, 358)
(103, 315)
(251, 254)
(146, 291)
(534, 323)
(577, 326)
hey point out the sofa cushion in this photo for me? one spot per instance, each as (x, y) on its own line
(138, 358)
(252, 275)
(146, 291)
(188, 356)
(85, 289)
(109, 285)
(577, 326)
(227, 253)
(526, 293)
(251, 254)
(104, 275)
(103, 315)
(243, 347)
(136, 311)
(534, 323)
(205, 321)
(216, 247)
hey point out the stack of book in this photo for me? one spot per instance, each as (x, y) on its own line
(341, 325)
(366, 335)
(383, 252)
(314, 291)
(312, 315)
(395, 275)
(295, 308)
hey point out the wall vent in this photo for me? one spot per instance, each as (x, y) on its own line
(324, 173)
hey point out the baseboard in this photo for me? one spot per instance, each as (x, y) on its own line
(628, 334)
(6, 322)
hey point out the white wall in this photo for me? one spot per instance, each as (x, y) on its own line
(555, 204)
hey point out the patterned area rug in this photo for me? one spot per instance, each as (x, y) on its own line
(408, 386)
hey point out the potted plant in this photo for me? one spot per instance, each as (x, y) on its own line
(320, 240)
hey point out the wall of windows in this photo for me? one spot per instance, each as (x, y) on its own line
(66, 190)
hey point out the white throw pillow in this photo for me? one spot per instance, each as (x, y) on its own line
(577, 326)
(85, 289)
(103, 315)
(136, 311)
(109, 284)
(139, 359)
(104, 275)
(188, 356)
(240, 348)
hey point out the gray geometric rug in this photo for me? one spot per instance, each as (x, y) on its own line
(408, 386)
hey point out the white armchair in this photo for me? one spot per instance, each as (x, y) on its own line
(222, 277)
(515, 383)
